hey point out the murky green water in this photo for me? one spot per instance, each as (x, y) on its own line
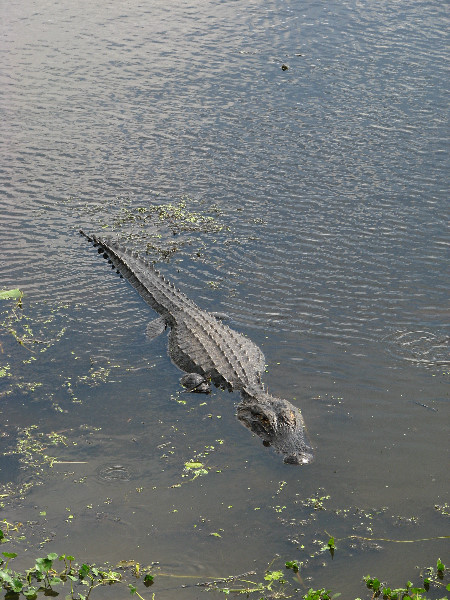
(320, 198)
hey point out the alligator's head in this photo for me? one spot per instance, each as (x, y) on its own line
(279, 424)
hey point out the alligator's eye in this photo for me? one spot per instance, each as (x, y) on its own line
(264, 421)
(288, 418)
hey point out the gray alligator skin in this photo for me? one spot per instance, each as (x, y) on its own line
(199, 343)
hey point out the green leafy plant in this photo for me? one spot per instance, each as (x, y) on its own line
(409, 592)
(272, 577)
(44, 576)
(274, 584)
(294, 565)
(61, 571)
(317, 501)
(321, 594)
(331, 546)
(16, 323)
(14, 294)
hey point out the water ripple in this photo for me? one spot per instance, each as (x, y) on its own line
(331, 174)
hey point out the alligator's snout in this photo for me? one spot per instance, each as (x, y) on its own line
(279, 425)
(299, 459)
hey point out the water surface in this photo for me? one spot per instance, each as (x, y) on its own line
(330, 182)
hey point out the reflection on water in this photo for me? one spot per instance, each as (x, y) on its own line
(421, 347)
(329, 180)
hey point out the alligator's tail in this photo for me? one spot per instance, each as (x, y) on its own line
(160, 294)
(97, 244)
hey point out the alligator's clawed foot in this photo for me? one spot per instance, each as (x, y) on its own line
(193, 382)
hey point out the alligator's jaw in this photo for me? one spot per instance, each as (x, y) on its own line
(278, 423)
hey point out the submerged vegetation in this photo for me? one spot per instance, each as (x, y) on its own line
(163, 228)
(175, 216)
(21, 331)
(433, 577)
(16, 323)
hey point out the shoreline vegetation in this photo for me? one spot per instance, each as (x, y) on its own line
(52, 572)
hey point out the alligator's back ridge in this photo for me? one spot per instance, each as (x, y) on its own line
(160, 294)
(200, 343)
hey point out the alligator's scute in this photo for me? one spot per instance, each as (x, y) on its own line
(200, 343)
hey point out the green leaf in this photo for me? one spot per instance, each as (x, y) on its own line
(273, 575)
(193, 465)
(132, 589)
(30, 593)
(43, 565)
(9, 554)
(199, 472)
(376, 584)
(17, 585)
(52, 556)
(14, 294)
(440, 565)
(149, 578)
(5, 577)
(292, 564)
(84, 570)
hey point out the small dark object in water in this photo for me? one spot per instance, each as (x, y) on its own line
(284, 67)
(425, 406)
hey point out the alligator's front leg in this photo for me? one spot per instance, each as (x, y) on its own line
(193, 382)
(155, 328)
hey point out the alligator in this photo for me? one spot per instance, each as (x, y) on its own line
(207, 350)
